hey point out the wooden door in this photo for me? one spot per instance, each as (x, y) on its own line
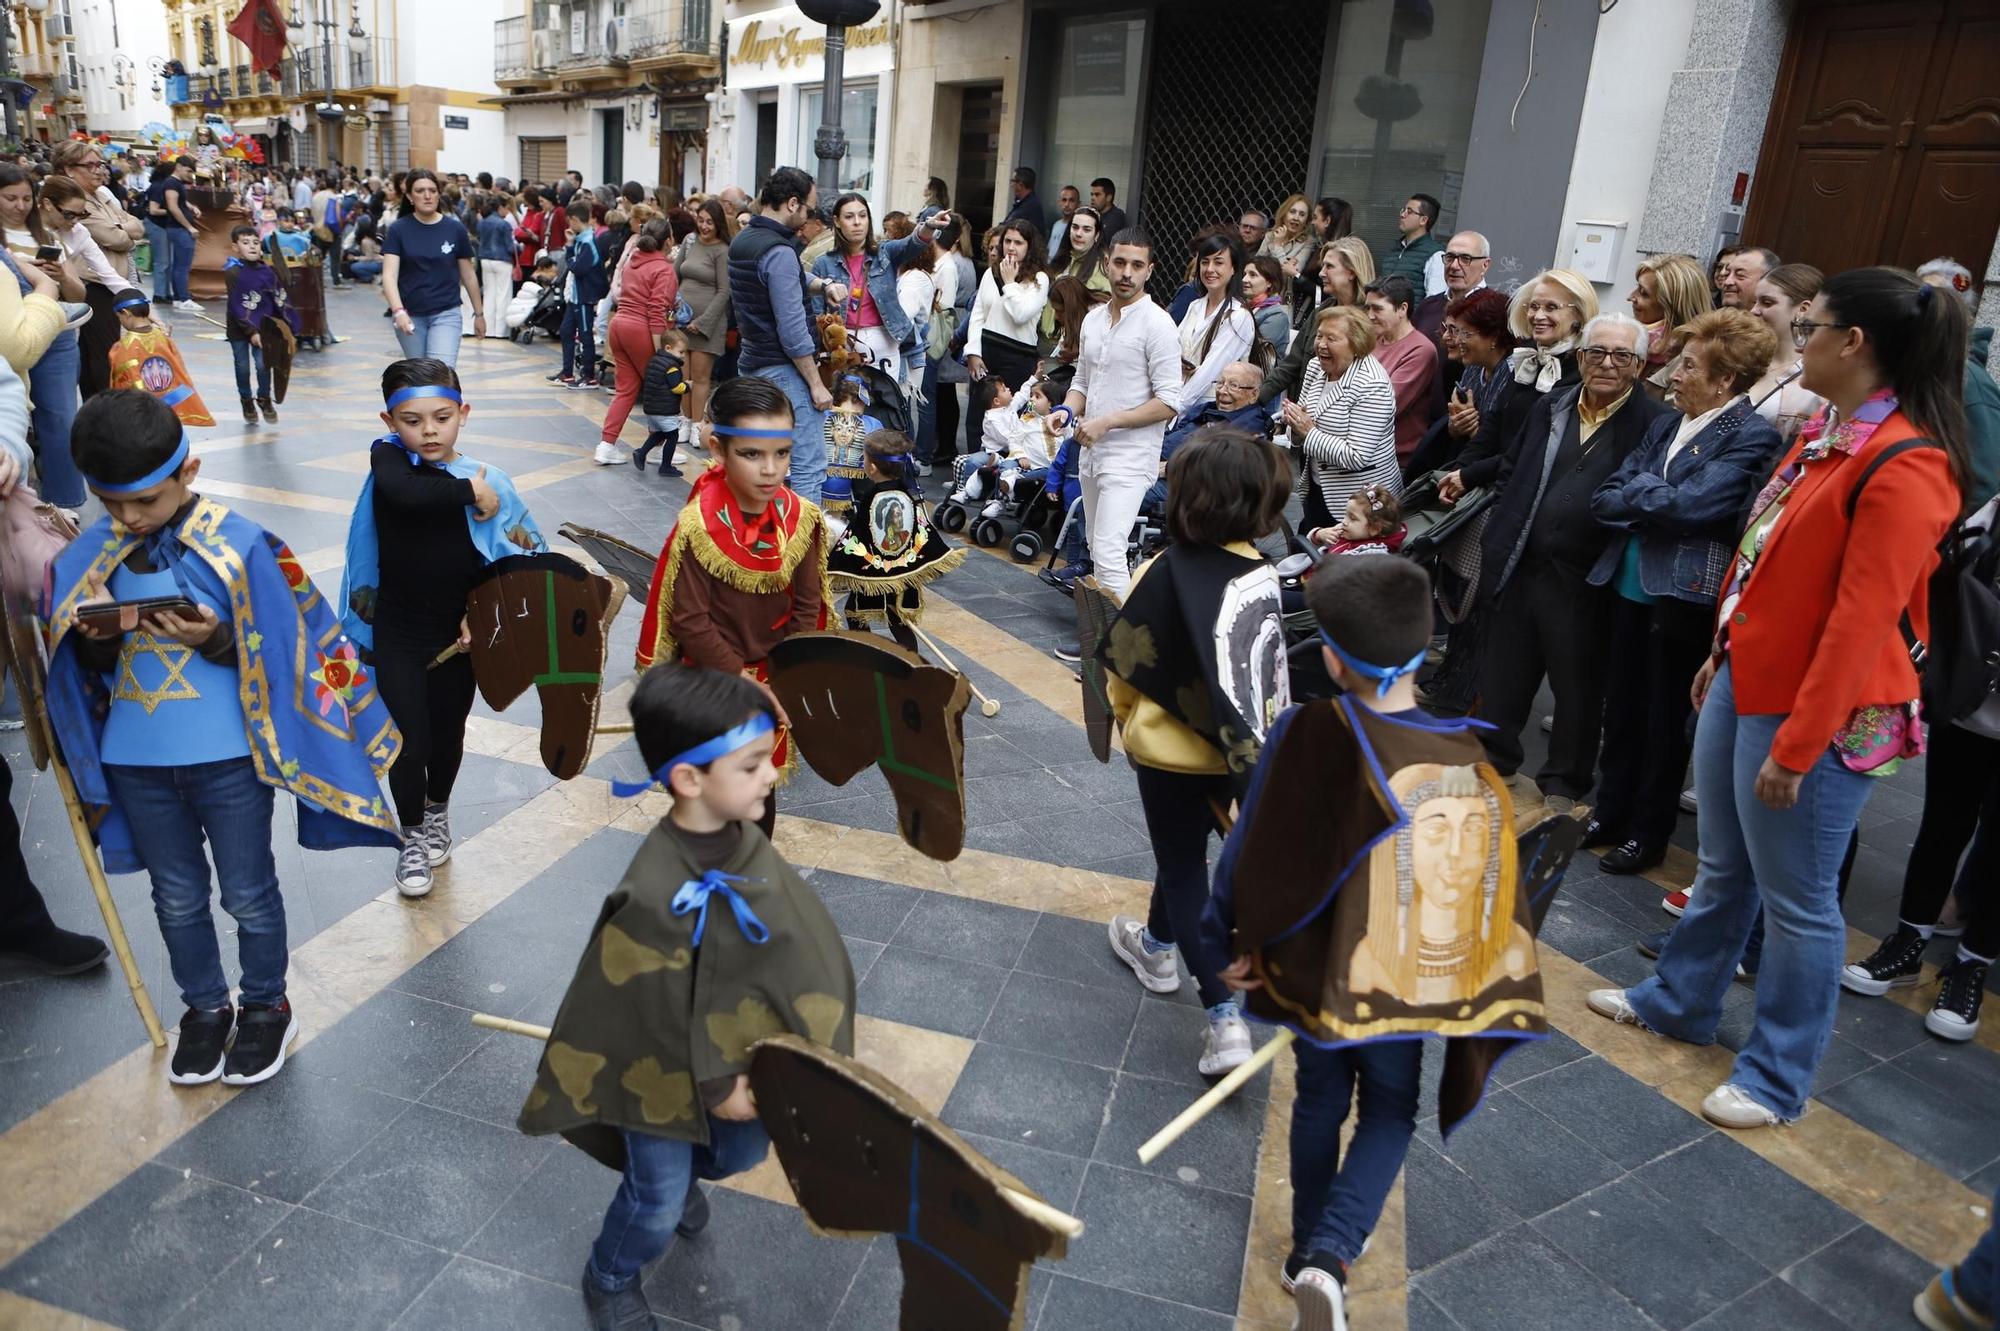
(972, 195)
(1884, 139)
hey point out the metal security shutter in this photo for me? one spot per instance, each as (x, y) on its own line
(544, 160)
(1229, 123)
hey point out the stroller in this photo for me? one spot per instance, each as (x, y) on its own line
(547, 315)
(1022, 522)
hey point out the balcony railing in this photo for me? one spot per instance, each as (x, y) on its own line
(510, 48)
(371, 67)
(669, 27)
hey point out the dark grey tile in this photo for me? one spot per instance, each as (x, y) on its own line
(1626, 1119)
(1140, 867)
(861, 954)
(993, 755)
(431, 1176)
(862, 907)
(1029, 1098)
(1843, 1059)
(315, 1270)
(1078, 950)
(1945, 1127)
(709, 1282)
(937, 993)
(1883, 1029)
(1218, 1152)
(1093, 782)
(1523, 1157)
(139, 1252)
(1772, 1304)
(1653, 1252)
(1058, 1178)
(1582, 931)
(1519, 1279)
(1623, 967)
(545, 1228)
(1986, 1180)
(473, 1296)
(490, 968)
(965, 929)
(1426, 1315)
(1159, 1237)
(492, 1082)
(396, 1043)
(1447, 1212)
(1063, 1019)
(1747, 1200)
(1079, 1303)
(873, 812)
(1531, 1058)
(1864, 1278)
(283, 1138)
(1167, 1043)
(873, 1300)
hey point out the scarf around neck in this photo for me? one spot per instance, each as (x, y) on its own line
(1540, 366)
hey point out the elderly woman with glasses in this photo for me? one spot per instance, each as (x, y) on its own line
(1344, 422)
(114, 232)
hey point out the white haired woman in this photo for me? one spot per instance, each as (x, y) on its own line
(1344, 422)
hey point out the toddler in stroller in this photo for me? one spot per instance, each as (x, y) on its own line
(1016, 436)
(538, 306)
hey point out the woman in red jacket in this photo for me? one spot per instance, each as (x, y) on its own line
(645, 310)
(1810, 693)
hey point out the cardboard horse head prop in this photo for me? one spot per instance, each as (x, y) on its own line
(540, 621)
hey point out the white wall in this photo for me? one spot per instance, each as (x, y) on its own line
(1639, 46)
(449, 43)
(141, 34)
(484, 146)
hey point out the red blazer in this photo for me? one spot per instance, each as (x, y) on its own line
(1816, 633)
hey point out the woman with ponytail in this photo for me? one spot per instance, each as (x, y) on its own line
(1823, 604)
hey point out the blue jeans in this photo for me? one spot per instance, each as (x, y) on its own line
(1335, 1202)
(171, 810)
(163, 261)
(52, 397)
(246, 356)
(365, 270)
(579, 344)
(1978, 1276)
(808, 475)
(433, 335)
(640, 1222)
(1790, 859)
(181, 241)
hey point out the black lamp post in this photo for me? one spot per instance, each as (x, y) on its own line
(830, 143)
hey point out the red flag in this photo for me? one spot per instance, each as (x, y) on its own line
(261, 27)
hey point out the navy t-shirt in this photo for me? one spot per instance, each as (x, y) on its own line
(428, 277)
(157, 193)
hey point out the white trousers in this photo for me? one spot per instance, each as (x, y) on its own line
(1113, 489)
(496, 288)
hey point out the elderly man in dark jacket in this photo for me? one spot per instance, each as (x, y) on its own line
(1537, 553)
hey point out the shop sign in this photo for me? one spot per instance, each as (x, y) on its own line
(685, 119)
(1096, 67)
(788, 42)
(458, 122)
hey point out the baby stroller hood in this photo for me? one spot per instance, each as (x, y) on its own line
(1431, 521)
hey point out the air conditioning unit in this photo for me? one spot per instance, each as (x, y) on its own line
(547, 47)
(614, 37)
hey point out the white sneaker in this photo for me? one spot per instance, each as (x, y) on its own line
(436, 832)
(957, 496)
(1228, 1045)
(1687, 800)
(1156, 970)
(610, 455)
(994, 509)
(1731, 1108)
(1612, 1003)
(189, 307)
(1320, 1301)
(413, 864)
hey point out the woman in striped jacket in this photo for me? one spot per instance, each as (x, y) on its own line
(1344, 421)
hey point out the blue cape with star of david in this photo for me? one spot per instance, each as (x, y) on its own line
(510, 531)
(315, 723)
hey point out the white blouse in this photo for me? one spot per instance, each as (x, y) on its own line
(1015, 313)
(1235, 331)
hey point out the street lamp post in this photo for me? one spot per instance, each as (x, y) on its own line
(830, 143)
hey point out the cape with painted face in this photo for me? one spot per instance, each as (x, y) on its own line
(1374, 880)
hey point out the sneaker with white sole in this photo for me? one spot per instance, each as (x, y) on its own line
(1675, 903)
(189, 307)
(1156, 970)
(1898, 961)
(1942, 1305)
(609, 454)
(1228, 1046)
(1961, 986)
(436, 833)
(1687, 800)
(1319, 1298)
(413, 864)
(265, 1034)
(201, 1046)
(1612, 1003)
(1728, 1107)
(995, 508)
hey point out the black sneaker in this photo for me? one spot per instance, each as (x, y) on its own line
(1632, 856)
(1320, 1295)
(1955, 1016)
(264, 1035)
(270, 412)
(57, 951)
(198, 1054)
(250, 416)
(1652, 945)
(1899, 961)
(1288, 1274)
(1068, 651)
(625, 1310)
(694, 1211)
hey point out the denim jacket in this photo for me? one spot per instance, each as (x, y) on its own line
(1686, 518)
(881, 267)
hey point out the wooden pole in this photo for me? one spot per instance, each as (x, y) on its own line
(94, 870)
(1034, 1208)
(987, 707)
(1217, 1093)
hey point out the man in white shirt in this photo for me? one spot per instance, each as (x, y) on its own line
(1127, 387)
(1068, 200)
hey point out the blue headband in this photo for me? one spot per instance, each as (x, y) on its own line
(744, 432)
(1388, 675)
(760, 723)
(402, 395)
(126, 302)
(150, 479)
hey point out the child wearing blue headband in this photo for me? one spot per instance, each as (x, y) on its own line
(709, 943)
(427, 521)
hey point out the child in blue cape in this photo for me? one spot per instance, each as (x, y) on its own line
(178, 725)
(427, 522)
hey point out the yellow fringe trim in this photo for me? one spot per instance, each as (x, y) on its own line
(898, 582)
(693, 536)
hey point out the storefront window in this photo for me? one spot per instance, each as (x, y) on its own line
(1401, 113)
(1097, 105)
(857, 121)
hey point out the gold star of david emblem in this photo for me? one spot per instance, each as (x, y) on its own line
(173, 659)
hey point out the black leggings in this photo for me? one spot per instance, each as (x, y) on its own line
(1961, 792)
(429, 706)
(1180, 812)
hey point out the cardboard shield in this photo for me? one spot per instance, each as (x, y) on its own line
(1094, 613)
(620, 558)
(864, 1158)
(858, 701)
(1545, 848)
(279, 348)
(540, 620)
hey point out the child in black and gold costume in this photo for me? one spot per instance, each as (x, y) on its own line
(889, 549)
(710, 943)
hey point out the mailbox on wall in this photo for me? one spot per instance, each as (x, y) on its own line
(1595, 249)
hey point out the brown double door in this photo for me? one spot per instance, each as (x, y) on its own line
(1884, 139)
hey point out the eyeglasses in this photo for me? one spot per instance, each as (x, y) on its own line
(1547, 307)
(1407, 211)
(1452, 256)
(1803, 328)
(70, 217)
(1599, 355)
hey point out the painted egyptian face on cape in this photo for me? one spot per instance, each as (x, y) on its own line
(1450, 836)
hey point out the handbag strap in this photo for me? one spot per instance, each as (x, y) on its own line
(1915, 645)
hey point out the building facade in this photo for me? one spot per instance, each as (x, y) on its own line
(41, 43)
(122, 53)
(616, 90)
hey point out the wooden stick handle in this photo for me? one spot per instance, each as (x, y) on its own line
(1034, 1208)
(1216, 1094)
(93, 869)
(616, 728)
(986, 704)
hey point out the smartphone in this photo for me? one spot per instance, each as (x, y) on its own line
(124, 616)
(48, 254)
